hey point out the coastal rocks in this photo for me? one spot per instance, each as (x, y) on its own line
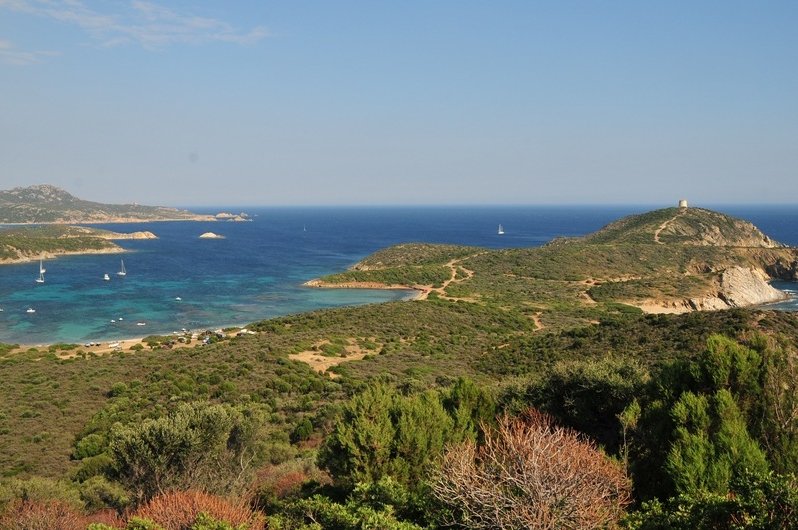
(133, 235)
(784, 270)
(736, 287)
(226, 216)
(743, 287)
(351, 285)
(211, 235)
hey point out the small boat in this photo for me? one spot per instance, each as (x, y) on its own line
(122, 271)
(106, 277)
(113, 321)
(40, 279)
(120, 319)
(42, 270)
(30, 310)
(141, 323)
(501, 230)
(178, 299)
(1, 309)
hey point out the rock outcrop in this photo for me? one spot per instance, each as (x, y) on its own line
(133, 235)
(736, 287)
(783, 269)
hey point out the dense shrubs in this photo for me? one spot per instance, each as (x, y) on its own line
(198, 445)
(383, 433)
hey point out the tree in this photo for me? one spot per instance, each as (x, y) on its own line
(530, 473)
(199, 445)
(359, 448)
(382, 433)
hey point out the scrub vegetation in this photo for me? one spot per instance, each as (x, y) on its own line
(528, 380)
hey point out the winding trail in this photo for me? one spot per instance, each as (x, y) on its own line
(441, 291)
(664, 225)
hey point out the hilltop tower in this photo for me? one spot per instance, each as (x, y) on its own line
(682, 203)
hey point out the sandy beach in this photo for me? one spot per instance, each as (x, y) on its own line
(105, 346)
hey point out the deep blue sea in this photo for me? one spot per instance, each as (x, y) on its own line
(258, 270)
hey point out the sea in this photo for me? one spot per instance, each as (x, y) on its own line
(257, 271)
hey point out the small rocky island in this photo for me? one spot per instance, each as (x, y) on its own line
(211, 235)
(227, 216)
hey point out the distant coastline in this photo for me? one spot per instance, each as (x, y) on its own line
(415, 292)
(115, 220)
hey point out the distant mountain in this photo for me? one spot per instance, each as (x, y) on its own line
(49, 204)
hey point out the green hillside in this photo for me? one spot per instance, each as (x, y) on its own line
(666, 256)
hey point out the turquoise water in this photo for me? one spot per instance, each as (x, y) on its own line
(258, 270)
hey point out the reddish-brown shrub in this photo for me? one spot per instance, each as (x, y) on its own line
(280, 482)
(177, 510)
(532, 474)
(106, 517)
(27, 515)
(289, 483)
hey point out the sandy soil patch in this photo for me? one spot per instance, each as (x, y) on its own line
(322, 363)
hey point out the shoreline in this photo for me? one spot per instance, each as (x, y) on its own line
(415, 292)
(115, 220)
(124, 344)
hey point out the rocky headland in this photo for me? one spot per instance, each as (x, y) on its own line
(673, 260)
(30, 243)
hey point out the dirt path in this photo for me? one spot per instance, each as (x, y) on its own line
(441, 291)
(664, 225)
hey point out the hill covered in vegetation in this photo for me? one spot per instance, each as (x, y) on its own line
(49, 204)
(669, 260)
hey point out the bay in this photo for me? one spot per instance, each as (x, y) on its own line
(257, 271)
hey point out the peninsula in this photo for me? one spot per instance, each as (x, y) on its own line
(46, 204)
(672, 260)
(27, 243)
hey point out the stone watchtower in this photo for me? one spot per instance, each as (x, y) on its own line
(682, 203)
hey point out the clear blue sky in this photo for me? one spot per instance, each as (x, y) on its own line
(401, 102)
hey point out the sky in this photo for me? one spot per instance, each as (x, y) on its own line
(257, 102)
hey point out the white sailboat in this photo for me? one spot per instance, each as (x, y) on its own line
(501, 230)
(40, 279)
(122, 271)
(42, 270)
